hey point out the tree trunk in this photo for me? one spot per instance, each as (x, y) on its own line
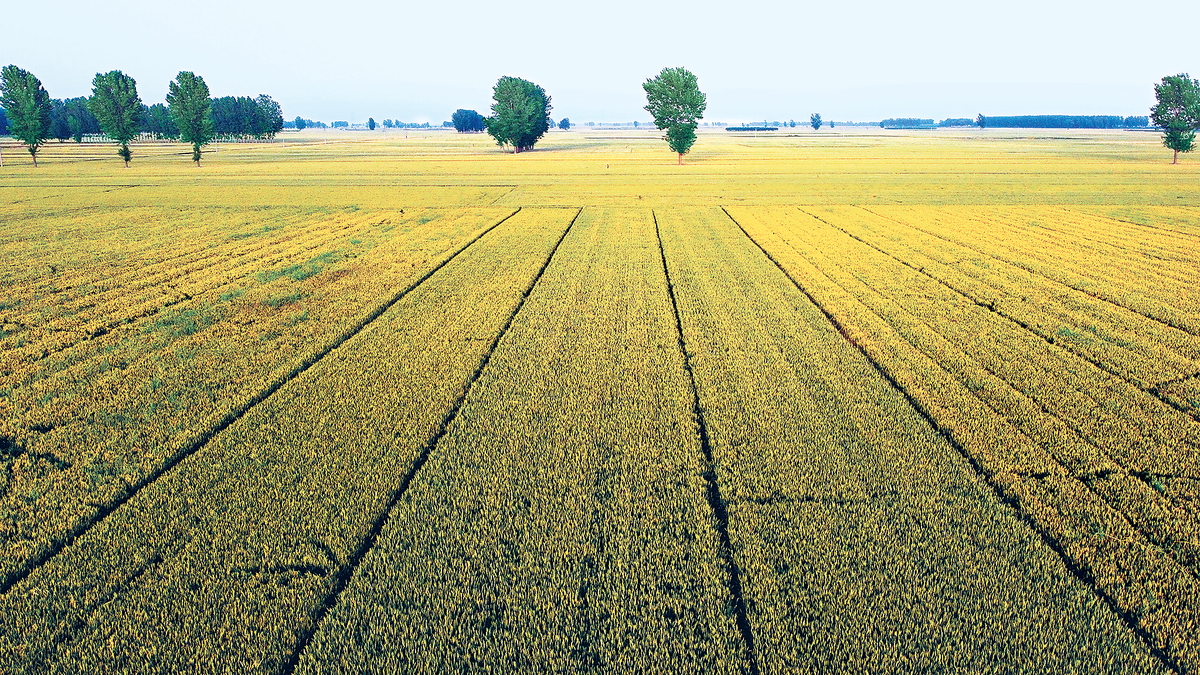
(34, 160)
(681, 159)
(1176, 159)
(126, 164)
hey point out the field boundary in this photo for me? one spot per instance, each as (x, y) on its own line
(233, 416)
(343, 577)
(1077, 571)
(713, 491)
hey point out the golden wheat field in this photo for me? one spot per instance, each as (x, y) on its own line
(851, 402)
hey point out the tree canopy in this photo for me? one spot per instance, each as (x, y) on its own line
(1177, 112)
(814, 121)
(27, 107)
(245, 117)
(117, 107)
(520, 113)
(191, 109)
(467, 121)
(371, 123)
(677, 104)
(156, 120)
(565, 124)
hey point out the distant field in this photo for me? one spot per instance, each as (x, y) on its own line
(855, 400)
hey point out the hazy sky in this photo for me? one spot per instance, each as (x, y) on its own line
(777, 60)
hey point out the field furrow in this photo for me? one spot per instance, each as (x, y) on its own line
(224, 562)
(561, 524)
(1041, 439)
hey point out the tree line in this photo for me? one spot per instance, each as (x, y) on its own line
(1062, 121)
(116, 110)
(520, 113)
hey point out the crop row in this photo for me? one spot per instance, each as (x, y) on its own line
(1121, 341)
(1147, 271)
(1092, 459)
(561, 523)
(224, 562)
(865, 539)
(88, 425)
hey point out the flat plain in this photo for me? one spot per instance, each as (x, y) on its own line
(847, 401)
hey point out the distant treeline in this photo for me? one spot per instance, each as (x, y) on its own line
(1062, 122)
(233, 116)
(906, 123)
(1022, 122)
(303, 123)
(745, 128)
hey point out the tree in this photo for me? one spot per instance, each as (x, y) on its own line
(981, 121)
(268, 117)
(520, 113)
(467, 121)
(1177, 112)
(27, 106)
(300, 124)
(371, 123)
(191, 109)
(676, 102)
(814, 121)
(565, 123)
(117, 107)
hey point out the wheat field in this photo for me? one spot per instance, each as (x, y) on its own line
(848, 401)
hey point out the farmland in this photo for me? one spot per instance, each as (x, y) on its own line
(867, 401)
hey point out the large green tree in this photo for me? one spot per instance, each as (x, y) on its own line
(27, 106)
(520, 113)
(117, 107)
(191, 109)
(677, 104)
(1177, 112)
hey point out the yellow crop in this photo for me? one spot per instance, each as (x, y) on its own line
(869, 401)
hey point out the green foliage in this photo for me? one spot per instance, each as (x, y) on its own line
(79, 118)
(191, 109)
(371, 123)
(27, 106)
(156, 120)
(300, 123)
(467, 121)
(1177, 112)
(520, 113)
(117, 107)
(676, 102)
(300, 271)
(565, 124)
(814, 121)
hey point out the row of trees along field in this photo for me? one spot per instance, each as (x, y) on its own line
(520, 113)
(115, 110)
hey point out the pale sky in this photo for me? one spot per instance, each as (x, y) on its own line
(769, 60)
